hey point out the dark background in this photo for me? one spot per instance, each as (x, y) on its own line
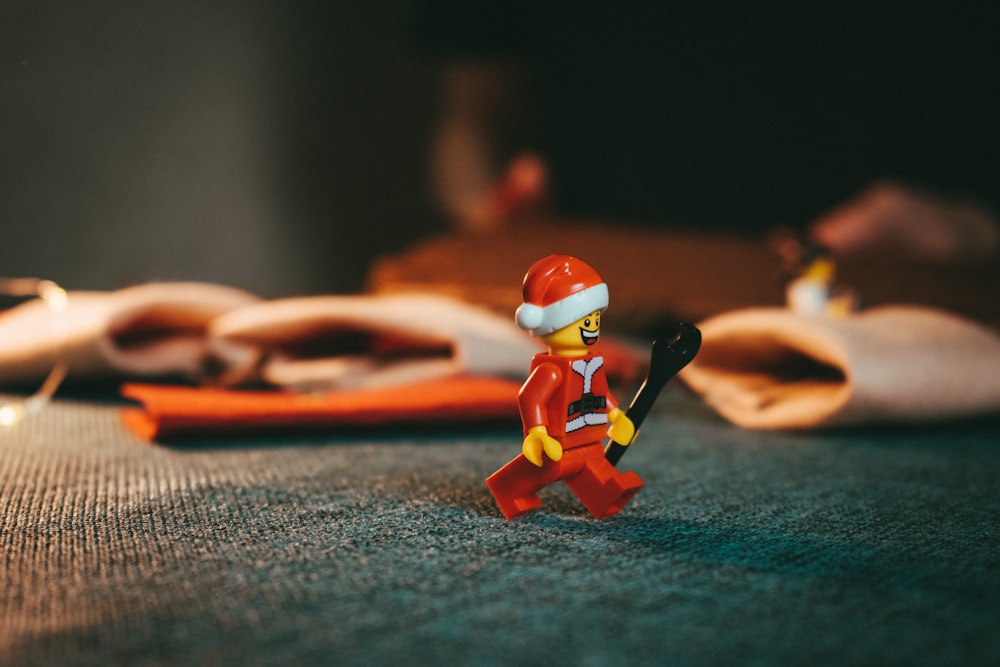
(743, 115)
(282, 146)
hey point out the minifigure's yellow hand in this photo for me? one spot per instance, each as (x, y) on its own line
(622, 430)
(537, 441)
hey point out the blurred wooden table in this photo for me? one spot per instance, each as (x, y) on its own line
(656, 274)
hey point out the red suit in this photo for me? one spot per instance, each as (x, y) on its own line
(570, 397)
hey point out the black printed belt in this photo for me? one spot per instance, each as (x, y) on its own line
(587, 404)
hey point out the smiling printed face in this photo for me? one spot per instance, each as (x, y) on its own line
(575, 338)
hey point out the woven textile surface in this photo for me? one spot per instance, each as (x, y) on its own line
(857, 547)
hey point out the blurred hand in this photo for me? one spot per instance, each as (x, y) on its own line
(891, 220)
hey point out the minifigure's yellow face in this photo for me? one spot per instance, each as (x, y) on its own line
(574, 339)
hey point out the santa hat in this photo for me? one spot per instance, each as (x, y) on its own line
(558, 290)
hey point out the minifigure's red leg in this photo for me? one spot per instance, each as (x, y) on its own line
(516, 485)
(600, 487)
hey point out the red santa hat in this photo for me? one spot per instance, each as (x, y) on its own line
(558, 290)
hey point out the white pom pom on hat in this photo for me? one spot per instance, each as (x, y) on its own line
(529, 316)
(558, 290)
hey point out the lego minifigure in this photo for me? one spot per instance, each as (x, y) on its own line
(565, 404)
(813, 290)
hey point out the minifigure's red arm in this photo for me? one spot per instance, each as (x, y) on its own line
(536, 393)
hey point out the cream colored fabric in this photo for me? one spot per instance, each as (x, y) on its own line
(208, 333)
(775, 369)
(147, 331)
(327, 342)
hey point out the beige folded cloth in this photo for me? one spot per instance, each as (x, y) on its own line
(341, 342)
(148, 331)
(770, 368)
(217, 335)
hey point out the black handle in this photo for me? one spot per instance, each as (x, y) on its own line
(672, 350)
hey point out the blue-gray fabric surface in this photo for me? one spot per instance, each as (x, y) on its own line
(749, 548)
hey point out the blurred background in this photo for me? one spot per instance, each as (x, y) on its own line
(283, 146)
(268, 145)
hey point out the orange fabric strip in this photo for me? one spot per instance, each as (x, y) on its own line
(170, 412)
